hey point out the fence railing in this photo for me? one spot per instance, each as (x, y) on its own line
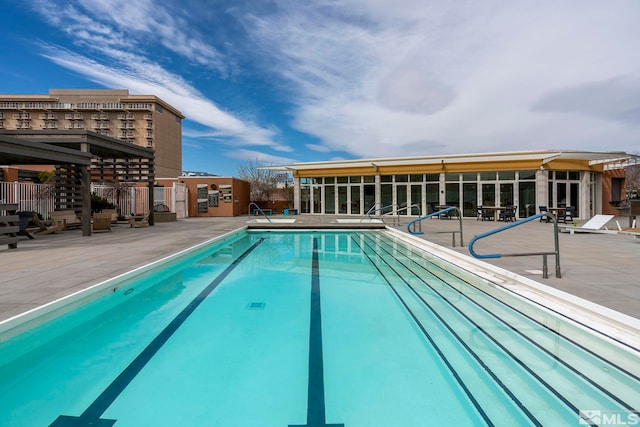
(29, 197)
(40, 197)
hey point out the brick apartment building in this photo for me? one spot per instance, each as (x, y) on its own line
(144, 120)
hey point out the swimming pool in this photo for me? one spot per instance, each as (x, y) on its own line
(311, 329)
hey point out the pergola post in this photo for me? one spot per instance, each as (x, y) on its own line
(85, 188)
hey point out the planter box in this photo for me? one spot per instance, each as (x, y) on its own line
(164, 216)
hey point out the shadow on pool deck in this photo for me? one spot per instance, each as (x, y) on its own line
(603, 268)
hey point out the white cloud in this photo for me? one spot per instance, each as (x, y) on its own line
(382, 78)
(317, 147)
(142, 76)
(252, 155)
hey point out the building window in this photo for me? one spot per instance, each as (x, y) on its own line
(158, 109)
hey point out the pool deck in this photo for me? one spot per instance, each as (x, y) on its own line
(602, 268)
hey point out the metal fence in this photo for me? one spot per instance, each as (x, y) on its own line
(29, 197)
(128, 200)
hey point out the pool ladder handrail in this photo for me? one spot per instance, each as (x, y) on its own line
(373, 210)
(396, 218)
(259, 210)
(545, 273)
(411, 226)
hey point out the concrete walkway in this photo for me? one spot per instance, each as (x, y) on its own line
(599, 267)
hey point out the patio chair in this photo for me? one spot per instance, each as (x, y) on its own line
(139, 222)
(488, 213)
(44, 228)
(508, 214)
(68, 216)
(113, 213)
(568, 213)
(101, 222)
(544, 218)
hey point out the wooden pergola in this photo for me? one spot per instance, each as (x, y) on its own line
(104, 159)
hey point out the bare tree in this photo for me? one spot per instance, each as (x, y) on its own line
(263, 181)
(632, 178)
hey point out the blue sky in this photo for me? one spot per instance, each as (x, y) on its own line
(285, 81)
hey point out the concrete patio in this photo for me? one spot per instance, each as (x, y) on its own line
(602, 268)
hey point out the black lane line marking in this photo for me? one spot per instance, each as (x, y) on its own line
(91, 416)
(562, 362)
(443, 357)
(490, 337)
(315, 390)
(538, 304)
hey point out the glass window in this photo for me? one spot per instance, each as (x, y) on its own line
(527, 198)
(488, 194)
(317, 200)
(433, 177)
(342, 179)
(402, 178)
(317, 180)
(305, 181)
(415, 178)
(369, 197)
(452, 194)
(355, 200)
(330, 199)
(386, 196)
(369, 179)
(449, 177)
(574, 175)
(386, 178)
(507, 175)
(506, 194)
(561, 194)
(526, 175)
(355, 179)
(401, 198)
(469, 176)
(416, 198)
(487, 176)
(561, 174)
(342, 199)
(432, 196)
(329, 180)
(305, 199)
(469, 199)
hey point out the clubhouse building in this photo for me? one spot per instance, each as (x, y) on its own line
(591, 182)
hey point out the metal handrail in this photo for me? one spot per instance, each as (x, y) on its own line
(372, 210)
(411, 225)
(259, 210)
(396, 218)
(545, 273)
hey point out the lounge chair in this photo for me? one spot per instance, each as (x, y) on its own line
(113, 213)
(101, 222)
(136, 222)
(68, 217)
(53, 227)
(594, 225)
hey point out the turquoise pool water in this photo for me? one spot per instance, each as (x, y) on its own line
(312, 329)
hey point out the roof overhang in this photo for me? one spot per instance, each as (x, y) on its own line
(543, 157)
(99, 145)
(26, 152)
